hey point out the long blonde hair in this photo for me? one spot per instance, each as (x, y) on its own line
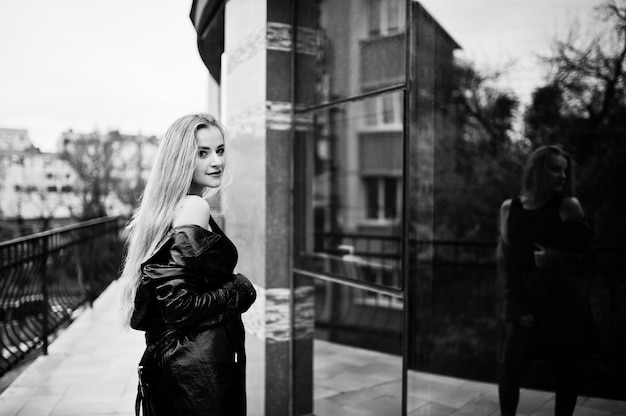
(169, 181)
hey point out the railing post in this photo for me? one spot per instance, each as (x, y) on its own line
(44, 290)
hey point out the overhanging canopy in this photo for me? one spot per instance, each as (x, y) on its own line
(207, 17)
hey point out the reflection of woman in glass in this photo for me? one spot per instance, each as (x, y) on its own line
(545, 245)
(179, 283)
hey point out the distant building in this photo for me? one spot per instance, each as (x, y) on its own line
(128, 158)
(37, 185)
(14, 140)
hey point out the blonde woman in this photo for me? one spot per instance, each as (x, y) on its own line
(546, 242)
(179, 281)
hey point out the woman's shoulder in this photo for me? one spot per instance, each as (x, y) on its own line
(505, 207)
(571, 209)
(192, 210)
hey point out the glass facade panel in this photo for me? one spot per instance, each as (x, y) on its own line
(399, 192)
(348, 298)
(353, 47)
(351, 194)
(355, 350)
(475, 305)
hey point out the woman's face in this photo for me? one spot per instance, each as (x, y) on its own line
(209, 160)
(556, 173)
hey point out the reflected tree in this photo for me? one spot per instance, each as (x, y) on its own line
(482, 167)
(583, 107)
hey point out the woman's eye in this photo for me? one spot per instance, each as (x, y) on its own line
(203, 153)
(220, 151)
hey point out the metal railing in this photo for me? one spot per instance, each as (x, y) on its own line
(387, 248)
(355, 279)
(45, 277)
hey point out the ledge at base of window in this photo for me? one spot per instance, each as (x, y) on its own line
(379, 222)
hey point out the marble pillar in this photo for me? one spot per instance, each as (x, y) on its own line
(256, 109)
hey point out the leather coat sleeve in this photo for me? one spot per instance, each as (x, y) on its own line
(184, 303)
(193, 290)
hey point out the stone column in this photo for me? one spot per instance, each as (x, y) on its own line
(257, 112)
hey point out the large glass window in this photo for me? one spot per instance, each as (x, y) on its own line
(351, 189)
(350, 48)
(350, 95)
(400, 180)
(487, 89)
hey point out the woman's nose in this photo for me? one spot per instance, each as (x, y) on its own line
(215, 160)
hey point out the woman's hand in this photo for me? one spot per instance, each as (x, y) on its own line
(245, 290)
(541, 256)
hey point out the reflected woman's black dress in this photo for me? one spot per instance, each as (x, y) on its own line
(556, 296)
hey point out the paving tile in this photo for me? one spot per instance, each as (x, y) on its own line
(16, 391)
(336, 370)
(386, 374)
(444, 380)
(393, 388)
(414, 403)
(482, 406)
(613, 406)
(490, 389)
(39, 406)
(320, 392)
(353, 399)
(345, 382)
(72, 409)
(534, 402)
(11, 406)
(324, 407)
(432, 409)
(385, 405)
(582, 411)
(445, 394)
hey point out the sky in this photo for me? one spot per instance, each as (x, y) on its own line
(133, 65)
(510, 35)
(127, 65)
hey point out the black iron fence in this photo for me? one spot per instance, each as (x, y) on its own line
(355, 304)
(45, 277)
(386, 249)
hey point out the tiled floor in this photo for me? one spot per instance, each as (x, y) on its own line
(352, 381)
(90, 371)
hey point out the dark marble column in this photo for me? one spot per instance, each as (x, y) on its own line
(256, 108)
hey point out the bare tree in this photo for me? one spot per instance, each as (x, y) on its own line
(91, 158)
(583, 107)
(591, 70)
(44, 201)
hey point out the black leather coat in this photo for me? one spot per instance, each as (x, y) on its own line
(190, 304)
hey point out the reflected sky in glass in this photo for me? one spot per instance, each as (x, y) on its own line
(497, 34)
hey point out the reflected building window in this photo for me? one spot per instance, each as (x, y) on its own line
(382, 196)
(384, 17)
(384, 111)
